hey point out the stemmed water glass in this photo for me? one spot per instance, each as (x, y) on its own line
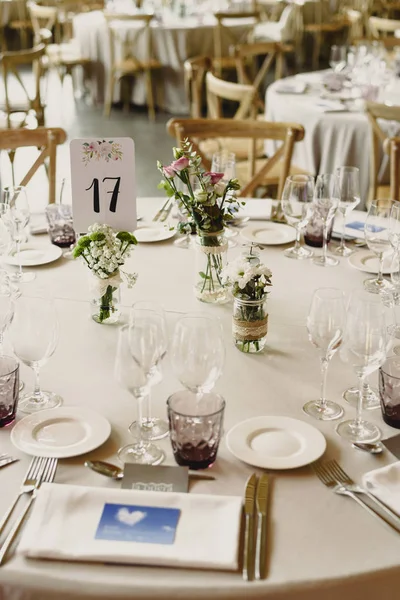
(326, 201)
(325, 325)
(34, 335)
(364, 347)
(198, 352)
(131, 376)
(349, 197)
(297, 197)
(19, 215)
(376, 230)
(149, 342)
(338, 58)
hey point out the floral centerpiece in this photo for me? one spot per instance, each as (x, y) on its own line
(209, 203)
(250, 282)
(105, 251)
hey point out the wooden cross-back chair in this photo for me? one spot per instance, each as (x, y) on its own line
(288, 134)
(129, 64)
(392, 148)
(195, 70)
(355, 21)
(336, 24)
(47, 140)
(375, 112)
(248, 55)
(382, 28)
(31, 103)
(44, 21)
(224, 33)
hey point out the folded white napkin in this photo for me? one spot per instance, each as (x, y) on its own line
(291, 87)
(384, 483)
(258, 209)
(66, 520)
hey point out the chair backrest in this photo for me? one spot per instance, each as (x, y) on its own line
(218, 90)
(46, 139)
(390, 114)
(44, 21)
(10, 62)
(195, 70)
(392, 147)
(379, 27)
(355, 21)
(141, 29)
(196, 130)
(225, 30)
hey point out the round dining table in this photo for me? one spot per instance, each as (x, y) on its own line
(320, 545)
(336, 133)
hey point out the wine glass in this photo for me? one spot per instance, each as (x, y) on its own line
(325, 325)
(394, 226)
(149, 342)
(376, 230)
(6, 307)
(364, 347)
(68, 237)
(18, 217)
(297, 197)
(349, 197)
(131, 376)
(34, 335)
(198, 352)
(338, 58)
(326, 201)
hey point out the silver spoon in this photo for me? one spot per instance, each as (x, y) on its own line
(375, 448)
(110, 470)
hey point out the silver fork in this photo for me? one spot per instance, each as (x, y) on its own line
(47, 474)
(26, 487)
(342, 477)
(324, 474)
(6, 459)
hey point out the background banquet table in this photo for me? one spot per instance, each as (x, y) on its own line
(332, 139)
(320, 545)
(174, 39)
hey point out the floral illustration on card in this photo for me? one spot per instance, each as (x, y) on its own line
(101, 150)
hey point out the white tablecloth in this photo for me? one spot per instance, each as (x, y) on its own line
(174, 40)
(332, 139)
(321, 546)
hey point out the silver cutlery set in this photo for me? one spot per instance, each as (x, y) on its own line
(164, 212)
(255, 528)
(6, 459)
(40, 470)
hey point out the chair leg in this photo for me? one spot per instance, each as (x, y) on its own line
(150, 97)
(279, 66)
(109, 95)
(316, 50)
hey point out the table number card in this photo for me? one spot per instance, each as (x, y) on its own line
(103, 183)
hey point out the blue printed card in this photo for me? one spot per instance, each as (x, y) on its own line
(143, 524)
(359, 225)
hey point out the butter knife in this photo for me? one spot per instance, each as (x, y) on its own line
(261, 540)
(249, 510)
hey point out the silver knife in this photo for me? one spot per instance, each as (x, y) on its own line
(249, 510)
(261, 540)
(8, 461)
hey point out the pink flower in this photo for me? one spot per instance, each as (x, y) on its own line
(93, 147)
(215, 177)
(169, 172)
(180, 164)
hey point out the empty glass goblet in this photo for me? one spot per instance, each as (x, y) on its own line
(325, 324)
(34, 335)
(297, 197)
(18, 219)
(131, 376)
(376, 230)
(349, 197)
(326, 200)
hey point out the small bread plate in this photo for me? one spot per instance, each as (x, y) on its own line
(269, 234)
(275, 442)
(61, 432)
(33, 255)
(152, 233)
(367, 261)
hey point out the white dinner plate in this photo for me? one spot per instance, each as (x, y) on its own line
(152, 233)
(367, 261)
(33, 255)
(275, 442)
(61, 432)
(269, 234)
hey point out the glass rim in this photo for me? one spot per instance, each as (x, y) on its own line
(10, 372)
(211, 414)
(390, 359)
